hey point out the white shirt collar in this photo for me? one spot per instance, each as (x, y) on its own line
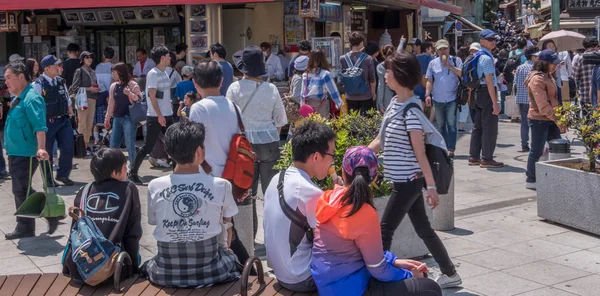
(50, 80)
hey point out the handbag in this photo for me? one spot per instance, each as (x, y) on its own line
(42, 204)
(81, 100)
(138, 111)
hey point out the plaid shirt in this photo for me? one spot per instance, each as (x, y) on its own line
(583, 77)
(315, 85)
(520, 76)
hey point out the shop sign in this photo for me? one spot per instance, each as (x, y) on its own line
(330, 13)
(582, 4)
(3, 21)
(309, 8)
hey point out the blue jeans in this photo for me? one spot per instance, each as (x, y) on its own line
(524, 109)
(502, 101)
(123, 127)
(60, 131)
(445, 121)
(2, 160)
(542, 131)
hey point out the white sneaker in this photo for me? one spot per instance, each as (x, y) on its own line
(449, 282)
(163, 163)
(531, 186)
(152, 162)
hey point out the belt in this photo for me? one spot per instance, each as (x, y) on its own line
(55, 118)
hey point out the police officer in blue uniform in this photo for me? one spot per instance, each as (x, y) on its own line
(54, 90)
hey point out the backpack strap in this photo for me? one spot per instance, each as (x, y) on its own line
(85, 191)
(251, 97)
(407, 108)
(296, 218)
(348, 60)
(361, 59)
(239, 118)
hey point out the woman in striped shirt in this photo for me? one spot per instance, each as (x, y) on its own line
(406, 165)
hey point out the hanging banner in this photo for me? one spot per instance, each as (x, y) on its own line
(309, 8)
(294, 26)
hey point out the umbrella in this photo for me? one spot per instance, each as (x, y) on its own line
(565, 40)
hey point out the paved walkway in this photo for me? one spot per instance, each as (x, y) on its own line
(499, 245)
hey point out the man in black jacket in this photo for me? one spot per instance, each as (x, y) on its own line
(71, 64)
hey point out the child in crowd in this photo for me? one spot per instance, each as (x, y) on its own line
(106, 203)
(192, 212)
(185, 106)
(347, 250)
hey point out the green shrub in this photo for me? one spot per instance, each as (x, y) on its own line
(586, 127)
(351, 130)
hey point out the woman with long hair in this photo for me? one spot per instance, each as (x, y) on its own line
(384, 92)
(347, 249)
(33, 68)
(317, 82)
(85, 77)
(123, 92)
(543, 97)
(402, 139)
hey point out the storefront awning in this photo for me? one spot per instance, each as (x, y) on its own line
(442, 6)
(65, 4)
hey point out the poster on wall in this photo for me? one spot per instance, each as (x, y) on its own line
(3, 22)
(330, 13)
(13, 25)
(294, 26)
(199, 42)
(309, 8)
(130, 57)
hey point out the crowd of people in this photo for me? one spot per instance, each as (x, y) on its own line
(195, 112)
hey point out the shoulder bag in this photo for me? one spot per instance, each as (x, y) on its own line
(295, 216)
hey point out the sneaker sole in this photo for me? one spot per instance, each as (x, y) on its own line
(474, 163)
(487, 166)
(451, 284)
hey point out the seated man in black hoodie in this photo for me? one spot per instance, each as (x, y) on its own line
(105, 204)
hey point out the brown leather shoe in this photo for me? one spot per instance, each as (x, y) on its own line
(491, 164)
(474, 161)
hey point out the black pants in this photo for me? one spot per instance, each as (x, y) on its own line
(153, 129)
(407, 287)
(407, 198)
(61, 131)
(362, 106)
(485, 127)
(266, 158)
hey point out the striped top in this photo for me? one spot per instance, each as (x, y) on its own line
(399, 161)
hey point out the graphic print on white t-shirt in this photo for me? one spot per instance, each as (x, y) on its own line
(189, 208)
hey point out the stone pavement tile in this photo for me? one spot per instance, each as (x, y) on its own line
(460, 292)
(546, 273)
(589, 285)
(468, 270)
(575, 239)
(548, 291)
(596, 249)
(497, 238)
(146, 254)
(536, 229)
(497, 259)
(584, 260)
(500, 284)
(44, 252)
(16, 264)
(540, 249)
(528, 212)
(56, 268)
(459, 247)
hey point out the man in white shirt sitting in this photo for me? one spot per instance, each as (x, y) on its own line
(144, 64)
(289, 250)
(274, 68)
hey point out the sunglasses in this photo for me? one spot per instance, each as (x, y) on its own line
(88, 57)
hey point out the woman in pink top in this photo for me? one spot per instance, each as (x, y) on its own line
(347, 250)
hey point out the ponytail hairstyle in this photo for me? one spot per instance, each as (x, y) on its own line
(359, 192)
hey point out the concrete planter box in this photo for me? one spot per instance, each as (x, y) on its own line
(568, 196)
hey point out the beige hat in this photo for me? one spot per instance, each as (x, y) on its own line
(442, 43)
(475, 46)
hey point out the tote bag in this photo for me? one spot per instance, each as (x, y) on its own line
(42, 204)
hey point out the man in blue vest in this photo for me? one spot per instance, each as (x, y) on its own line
(25, 141)
(54, 90)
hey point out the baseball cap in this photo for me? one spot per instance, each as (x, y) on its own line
(415, 41)
(50, 60)
(15, 57)
(475, 46)
(301, 63)
(187, 71)
(442, 43)
(83, 55)
(360, 156)
(487, 34)
(536, 54)
(549, 56)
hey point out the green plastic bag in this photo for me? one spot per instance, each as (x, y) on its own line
(42, 204)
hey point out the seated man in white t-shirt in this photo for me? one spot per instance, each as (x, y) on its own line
(289, 252)
(193, 214)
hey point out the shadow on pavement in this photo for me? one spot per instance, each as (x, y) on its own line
(41, 246)
(459, 232)
(508, 169)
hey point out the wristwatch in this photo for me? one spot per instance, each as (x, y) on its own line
(431, 187)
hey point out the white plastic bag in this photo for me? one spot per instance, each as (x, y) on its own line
(81, 101)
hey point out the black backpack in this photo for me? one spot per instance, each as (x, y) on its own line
(591, 58)
(442, 166)
(511, 65)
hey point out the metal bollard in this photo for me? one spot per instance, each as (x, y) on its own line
(559, 149)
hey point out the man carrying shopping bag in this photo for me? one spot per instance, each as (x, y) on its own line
(25, 141)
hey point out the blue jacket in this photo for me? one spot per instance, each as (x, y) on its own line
(25, 119)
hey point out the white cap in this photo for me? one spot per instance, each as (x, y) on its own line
(15, 57)
(475, 46)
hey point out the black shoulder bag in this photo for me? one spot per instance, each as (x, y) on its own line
(297, 218)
